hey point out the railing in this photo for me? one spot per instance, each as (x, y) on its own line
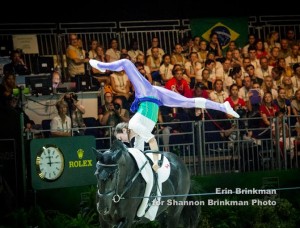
(204, 152)
(53, 37)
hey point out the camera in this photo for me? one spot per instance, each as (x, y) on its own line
(117, 106)
(69, 98)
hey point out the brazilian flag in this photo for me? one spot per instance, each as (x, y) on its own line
(228, 29)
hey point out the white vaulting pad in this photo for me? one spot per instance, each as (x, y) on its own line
(147, 174)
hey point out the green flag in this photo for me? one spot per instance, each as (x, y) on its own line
(228, 29)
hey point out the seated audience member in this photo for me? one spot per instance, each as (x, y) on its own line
(141, 58)
(267, 112)
(295, 105)
(153, 62)
(177, 57)
(17, 65)
(218, 94)
(234, 77)
(251, 72)
(239, 105)
(134, 51)
(288, 86)
(269, 86)
(235, 101)
(205, 80)
(92, 52)
(76, 59)
(61, 124)
(113, 112)
(283, 103)
(245, 90)
(155, 44)
(141, 68)
(254, 99)
(75, 110)
(121, 86)
(113, 53)
(193, 67)
(56, 80)
(165, 69)
(185, 77)
(108, 99)
(178, 84)
(28, 123)
(199, 90)
(282, 127)
(6, 89)
(264, 69)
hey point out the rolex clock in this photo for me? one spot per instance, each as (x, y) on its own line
(49, 163)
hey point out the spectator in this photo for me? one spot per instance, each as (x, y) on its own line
(177, 57)
(272, 41)
(283, 104)
(155, 44)
(75, 58)
(92, 51)
(251, 42)
(56, 80)
(165, 70)
(141, 68)
(113, 53)
(264, 69)
(134, 50)
(214, 45)
(207, 84)
(267, 110)
(75, 110)
(178, 84)
(202, 53)
(193, 67)
(7, 86)
(260, 49)
(153, 62)
(17, 65)
(61, 124)
(114, 112)
(218, 94)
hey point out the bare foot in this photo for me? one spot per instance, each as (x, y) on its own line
(155, 167)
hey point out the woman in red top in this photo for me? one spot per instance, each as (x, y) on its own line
(178, 84)
(234, 99)
(267, 110)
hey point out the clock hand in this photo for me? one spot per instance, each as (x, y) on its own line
(49, 163)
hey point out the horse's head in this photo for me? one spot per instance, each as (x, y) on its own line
(108, 174)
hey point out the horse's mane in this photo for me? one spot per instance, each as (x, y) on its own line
(112, 155)
(117, 146)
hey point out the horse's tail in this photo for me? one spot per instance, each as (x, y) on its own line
(190, 215)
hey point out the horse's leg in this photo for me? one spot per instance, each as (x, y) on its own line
(103, 223)
(173, 216)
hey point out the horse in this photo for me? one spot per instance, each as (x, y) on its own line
(121, 189)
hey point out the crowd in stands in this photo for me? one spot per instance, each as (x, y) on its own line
(259, 79)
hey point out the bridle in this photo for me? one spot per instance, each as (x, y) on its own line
(116, 196)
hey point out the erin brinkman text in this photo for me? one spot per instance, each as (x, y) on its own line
(245, 191)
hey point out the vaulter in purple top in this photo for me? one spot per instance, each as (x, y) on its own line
(148, 98)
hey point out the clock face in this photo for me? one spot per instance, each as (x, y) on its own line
(50, 163)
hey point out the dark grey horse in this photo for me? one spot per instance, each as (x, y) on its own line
(121, 189)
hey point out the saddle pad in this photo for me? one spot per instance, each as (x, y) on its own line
(147, 174)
